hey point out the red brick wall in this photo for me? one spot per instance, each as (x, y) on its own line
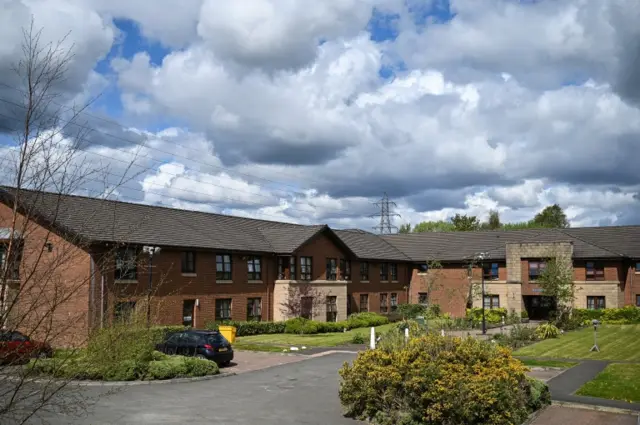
(450, 289)
(374, 287)
(53, 301)
(632, 284)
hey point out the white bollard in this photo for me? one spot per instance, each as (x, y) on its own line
(406, 335)
(441, 332)
(372, 344)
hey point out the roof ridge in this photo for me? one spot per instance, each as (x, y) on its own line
(587, 242)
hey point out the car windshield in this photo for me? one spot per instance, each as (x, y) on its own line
(215, 339)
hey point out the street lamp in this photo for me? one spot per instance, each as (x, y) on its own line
(480, 256)
(151, 251)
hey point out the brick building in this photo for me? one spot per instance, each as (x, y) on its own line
(215, 267)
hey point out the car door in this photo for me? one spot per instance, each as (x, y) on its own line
(172, 343)
(5, 353)
(189, 344)
(20, 345)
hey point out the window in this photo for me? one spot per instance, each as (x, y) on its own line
(254, 269)
(637, 300)
(305, 268)
(124, 311)
(223, 309)
(188, 262)
(364, 271)
(422, 268)
(595, 303)
(423, 298)
(638, 267)
(490, 271)
(223, 267)
(282, 266)
(393, 268)
(595, 271)
(332, 269)
(332, 309)
(254, 309)
(492, 301)
(345, 269)
(14, 273)
(536, 268)
(383, 303)
(188, 308)
(306, 307)
(126, 268)
(394, 301)
(364, 303)
(384, 272)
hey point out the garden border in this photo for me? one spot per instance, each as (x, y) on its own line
(94, 383)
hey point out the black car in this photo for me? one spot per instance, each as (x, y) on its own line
(210, 345)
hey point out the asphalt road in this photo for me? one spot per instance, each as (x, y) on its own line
(305, 392)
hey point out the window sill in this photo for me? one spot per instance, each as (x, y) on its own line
(394, 281)
(255, 281)
(126, 281)
(224, 281)
(364, 281)
(189, 274)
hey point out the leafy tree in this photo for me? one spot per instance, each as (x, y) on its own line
(556, 281)
(405, 228)
(551, 216)
(494, 220)
(465, 223)
(434, 226)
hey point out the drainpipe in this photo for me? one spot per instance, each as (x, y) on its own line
(92, 292)
(102, 302)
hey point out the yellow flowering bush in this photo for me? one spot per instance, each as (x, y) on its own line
(438, 380)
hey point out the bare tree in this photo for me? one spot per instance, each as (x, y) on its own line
(42, 292)
(303, 299)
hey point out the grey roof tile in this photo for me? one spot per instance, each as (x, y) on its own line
(369, 246)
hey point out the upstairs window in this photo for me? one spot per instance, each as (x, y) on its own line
(638, 267)
(283, 263)
(253, 268)
(332, 269)
(345, 269)
(594, 271)
(384, 272)
(393, 269)
(126, 264)
(306, 268)
(223, 267)
(490, 271)
(188, 262)
(536, 268)
(364, 271)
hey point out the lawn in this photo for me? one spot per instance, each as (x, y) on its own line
(616, 342)
(314, 340)
(617, 382)
(547, 363)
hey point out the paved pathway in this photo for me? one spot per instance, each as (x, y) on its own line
(560, 415)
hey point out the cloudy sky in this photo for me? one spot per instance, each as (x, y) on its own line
(307, 111)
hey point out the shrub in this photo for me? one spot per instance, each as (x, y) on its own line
(327, 327)
(250, 328)
(358, 338)
(173, 367)
(300, 325)
(539, 395)
(200, 367)
(434, 311)
(518, 337)
(363, 320)
(492, 315)
(434, 380)
(546, 331)
(411, 311)
(524, 314)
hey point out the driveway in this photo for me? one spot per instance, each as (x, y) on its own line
(303, 392)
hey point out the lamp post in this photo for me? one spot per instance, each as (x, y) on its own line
(150, 250)
(480, 256)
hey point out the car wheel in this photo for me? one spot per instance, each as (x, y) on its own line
(227, 363)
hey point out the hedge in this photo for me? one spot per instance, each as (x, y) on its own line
(303, 326)
(492, 315)
(621, 316)
(440, 380)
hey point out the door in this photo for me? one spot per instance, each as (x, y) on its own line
(189, 344)
(188, 312)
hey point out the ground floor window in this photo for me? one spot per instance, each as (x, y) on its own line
(595, 303)
(394, 301)
(254, 309)
(383, 303)
(491, 301)
(124, 311)
(637, 300)
(223, 309)
(332, 309)
(306, 307)
(423, 298)
(364, 303)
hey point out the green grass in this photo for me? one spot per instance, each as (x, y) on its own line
(616, 382)
(616, 342)
(547, 363)
(258, 347)
(314, 340)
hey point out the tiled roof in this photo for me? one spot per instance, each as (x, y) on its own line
(369, 246)
(285, 239)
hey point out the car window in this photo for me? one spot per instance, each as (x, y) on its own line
(216, 339)
(17, 336)
(174, 338)
(190, 339)
(5, 336)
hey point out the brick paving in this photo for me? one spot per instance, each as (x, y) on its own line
(562, 415)
(247, 361)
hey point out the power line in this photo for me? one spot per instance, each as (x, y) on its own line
(386, 214)
(184, 176)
